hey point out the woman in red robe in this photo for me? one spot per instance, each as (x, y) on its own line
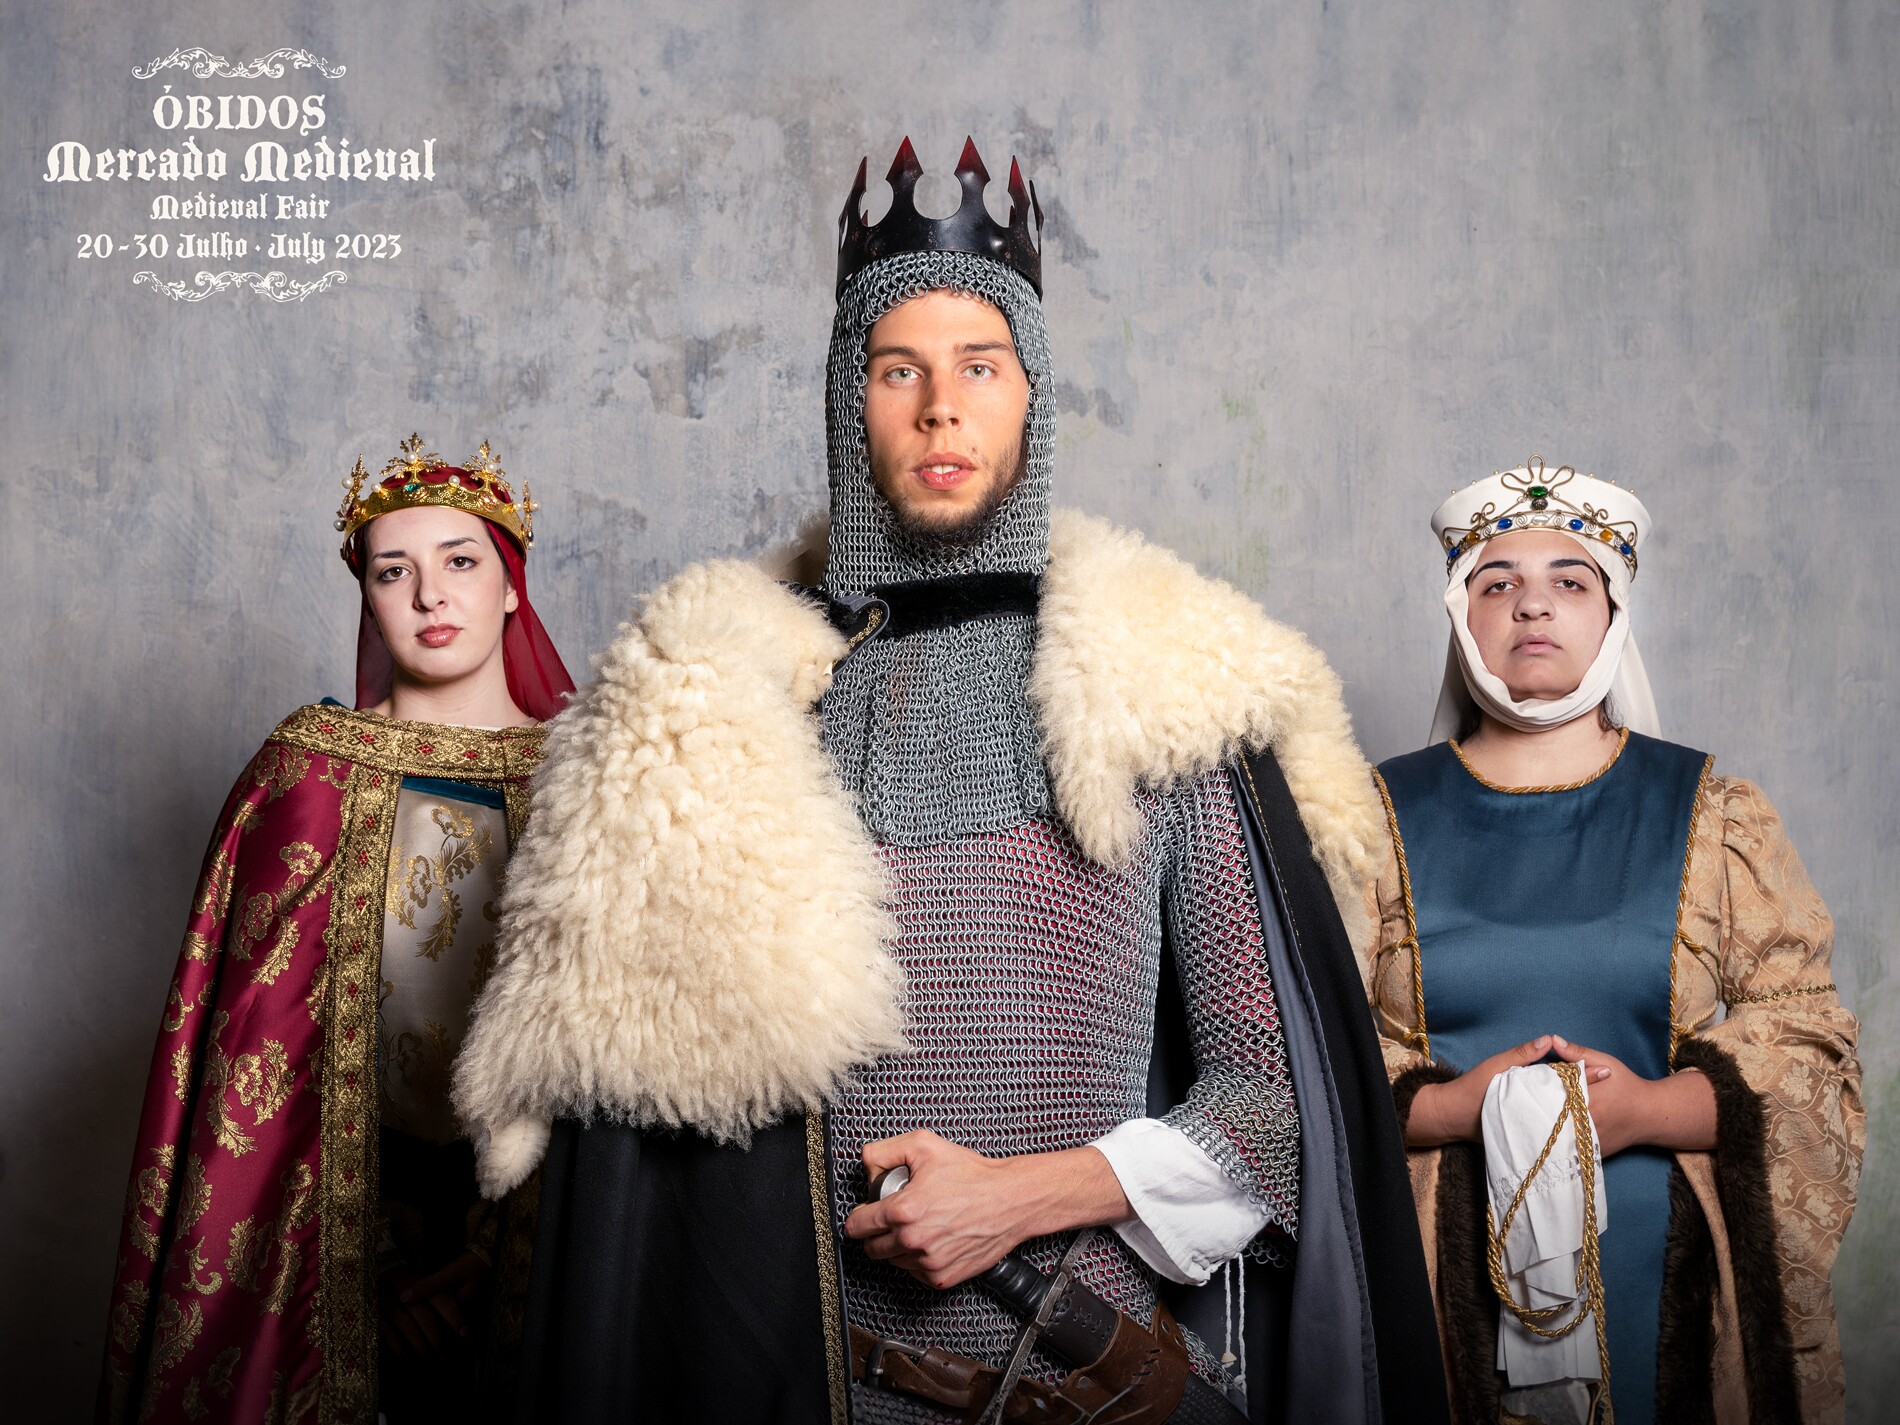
(301, 1241)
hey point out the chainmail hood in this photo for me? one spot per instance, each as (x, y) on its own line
(932, 734)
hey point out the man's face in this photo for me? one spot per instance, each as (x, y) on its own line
(945, 400)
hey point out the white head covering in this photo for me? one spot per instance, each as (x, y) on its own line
(1608, 522)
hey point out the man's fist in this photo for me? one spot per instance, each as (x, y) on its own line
(961, 1212)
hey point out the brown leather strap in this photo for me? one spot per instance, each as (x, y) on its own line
(954, 1381)
(1138, 1380)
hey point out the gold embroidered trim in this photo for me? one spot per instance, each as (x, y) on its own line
(353, 943)
(1622, 741)
(1826, 989)
(515, 798)
(872, 623)
(830, 1292)
(1416, 1036)
(414, 749)
(1678, 1031)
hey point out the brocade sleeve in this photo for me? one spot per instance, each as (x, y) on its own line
(1389, 965)
(1752, 919)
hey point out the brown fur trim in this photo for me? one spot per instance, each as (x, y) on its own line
(1741, 1180)
(1406, 1086)
(1467, 1306)
(1685, 1339)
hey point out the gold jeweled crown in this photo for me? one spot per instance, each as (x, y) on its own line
(1532, 497)
(419, 477)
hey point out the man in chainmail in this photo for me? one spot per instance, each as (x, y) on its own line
(1052, 922)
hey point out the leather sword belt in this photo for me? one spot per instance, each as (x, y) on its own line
(1138, 1380)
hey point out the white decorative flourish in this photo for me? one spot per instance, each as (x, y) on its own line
(206, 65)
(278, 286)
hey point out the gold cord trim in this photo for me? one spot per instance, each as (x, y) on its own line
(1589, 1298)
(873, 621)
(1622, 741)
(1416, 1036)
(831, 1292)
(1826, 989)
(1678, 1031)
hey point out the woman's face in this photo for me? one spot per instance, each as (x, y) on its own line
(1538, 607)
(438, 591)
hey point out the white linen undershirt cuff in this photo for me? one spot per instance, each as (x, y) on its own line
(1190, 1217)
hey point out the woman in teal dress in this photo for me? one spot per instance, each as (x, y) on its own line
(1564, 887)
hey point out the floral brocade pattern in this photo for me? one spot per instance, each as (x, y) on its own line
(241, 1292)
(1751, 975)
(1761, 942)
(438, 946)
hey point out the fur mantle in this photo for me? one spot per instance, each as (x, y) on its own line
(692, 931)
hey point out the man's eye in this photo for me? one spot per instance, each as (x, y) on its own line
(900, 373)
(980, 371)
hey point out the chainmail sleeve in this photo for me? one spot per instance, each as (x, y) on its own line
(1240, 1110)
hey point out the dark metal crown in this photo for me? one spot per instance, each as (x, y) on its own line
(970, 229)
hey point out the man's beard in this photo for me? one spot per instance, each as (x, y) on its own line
(927, 536)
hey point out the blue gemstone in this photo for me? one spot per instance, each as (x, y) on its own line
(1625, 548)
(1504, 524)
(1576, 524)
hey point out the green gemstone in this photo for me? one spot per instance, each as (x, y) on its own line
(1538, 492)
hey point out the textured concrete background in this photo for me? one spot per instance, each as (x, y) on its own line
(1308, 267)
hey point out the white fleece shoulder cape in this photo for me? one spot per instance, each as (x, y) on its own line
(693, 930)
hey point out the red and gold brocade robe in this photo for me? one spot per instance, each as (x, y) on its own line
(245, 1289)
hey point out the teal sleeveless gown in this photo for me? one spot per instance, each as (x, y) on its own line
(1555, 913)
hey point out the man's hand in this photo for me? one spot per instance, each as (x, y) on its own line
(420, 1314)
(1451, 1112)
(961, 1212)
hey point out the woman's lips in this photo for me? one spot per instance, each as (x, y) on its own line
(439, 635)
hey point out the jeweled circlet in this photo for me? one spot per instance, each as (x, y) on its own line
(1540, 503)
(419, 476)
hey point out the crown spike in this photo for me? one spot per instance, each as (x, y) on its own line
(905, 169)
(970, 165)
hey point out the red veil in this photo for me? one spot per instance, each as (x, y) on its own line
(537, 679)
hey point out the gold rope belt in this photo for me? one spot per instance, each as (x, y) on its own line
(1589, 1298)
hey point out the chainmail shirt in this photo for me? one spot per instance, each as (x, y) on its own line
(1032, 975)
(932, 734)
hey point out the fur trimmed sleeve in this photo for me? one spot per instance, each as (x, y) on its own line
(1763, 940)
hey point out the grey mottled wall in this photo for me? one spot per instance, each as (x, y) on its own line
(1309, 266)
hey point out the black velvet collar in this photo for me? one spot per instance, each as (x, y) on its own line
(890, 611)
